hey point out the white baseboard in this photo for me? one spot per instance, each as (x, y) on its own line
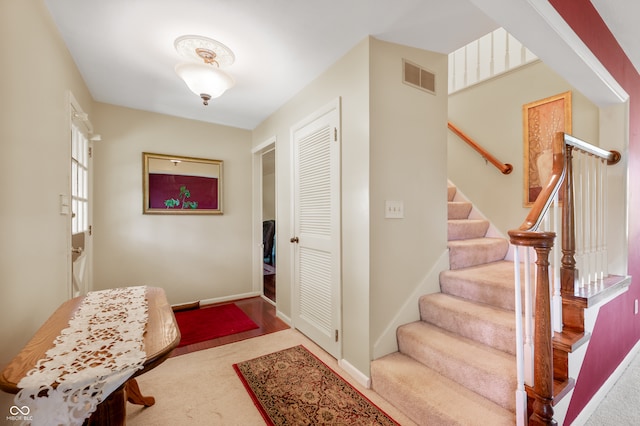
(284, 318)
(591, 406)
(358, 375)
(234, 297)
(229, 298)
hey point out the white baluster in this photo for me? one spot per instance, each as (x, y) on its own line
(528, 319)
(577, 200)
(521, 393)
(605, 204)
(492, 69)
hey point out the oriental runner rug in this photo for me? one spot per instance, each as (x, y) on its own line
(294, 387)
(199, 325)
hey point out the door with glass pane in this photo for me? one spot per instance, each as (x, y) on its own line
(80, 211)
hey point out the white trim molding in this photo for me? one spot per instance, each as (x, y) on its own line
(539, 27)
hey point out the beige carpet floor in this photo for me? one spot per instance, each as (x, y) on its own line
(201, 388)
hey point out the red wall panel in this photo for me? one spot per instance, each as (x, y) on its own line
(617, 329)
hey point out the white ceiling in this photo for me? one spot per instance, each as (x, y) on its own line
(621, 16)
(124, 49)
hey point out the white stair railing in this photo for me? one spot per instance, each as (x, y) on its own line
(491, 55)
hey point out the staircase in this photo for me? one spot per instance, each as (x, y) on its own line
(457, 366)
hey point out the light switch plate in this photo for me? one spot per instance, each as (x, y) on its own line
(65, 208)
(394, 209)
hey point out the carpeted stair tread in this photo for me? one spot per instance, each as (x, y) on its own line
(451, 192)
(483, 323)
(490, 283)
(429, 398)
(458, 209)
(482, 369)
(476, 251)
(461, 229)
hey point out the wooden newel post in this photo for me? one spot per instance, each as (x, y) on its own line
(543, 349)
(543, 355)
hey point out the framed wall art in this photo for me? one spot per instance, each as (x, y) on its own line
(174, 184)
(542, 120)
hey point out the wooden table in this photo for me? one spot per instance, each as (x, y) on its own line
(160, 338)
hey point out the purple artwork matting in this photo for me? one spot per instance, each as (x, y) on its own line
(181, 185)
(203, 191)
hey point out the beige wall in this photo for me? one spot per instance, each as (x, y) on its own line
(409, 164)
(392, 149)
(491, 113)
(197, 257)
(398, 132)
(36, 73)
(269, 196)
(347, 79)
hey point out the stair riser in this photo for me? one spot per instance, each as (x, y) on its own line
(465, 229)
(481, 330)
(458, 210)
(465, 256)
(491, 284)
(451, 192)
(499, 297)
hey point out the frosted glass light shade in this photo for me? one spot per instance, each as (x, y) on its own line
(204, 79)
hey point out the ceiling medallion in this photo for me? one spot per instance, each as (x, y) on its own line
(203, 75)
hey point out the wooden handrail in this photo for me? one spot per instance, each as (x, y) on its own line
(505, 168)
(612, 156)
(563, 146)
(545, 198)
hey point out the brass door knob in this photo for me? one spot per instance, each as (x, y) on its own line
(294, 240)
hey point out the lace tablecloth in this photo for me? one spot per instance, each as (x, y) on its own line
(100, 349)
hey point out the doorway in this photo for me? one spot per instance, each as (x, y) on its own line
(268, 161)
(80, 200)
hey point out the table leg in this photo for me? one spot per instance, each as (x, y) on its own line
(134, 395)
(110, 412)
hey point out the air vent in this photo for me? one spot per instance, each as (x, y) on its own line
(418, 77)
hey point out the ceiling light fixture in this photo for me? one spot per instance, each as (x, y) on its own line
(204, 78)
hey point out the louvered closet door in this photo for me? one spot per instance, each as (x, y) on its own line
(316, 310)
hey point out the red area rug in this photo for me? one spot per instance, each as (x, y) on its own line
(198, 325)
(294, 387)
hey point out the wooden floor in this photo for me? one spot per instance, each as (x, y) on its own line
(259, 310)
(269, 286)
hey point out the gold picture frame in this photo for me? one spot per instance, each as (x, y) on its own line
(173, 184)
(542, 119)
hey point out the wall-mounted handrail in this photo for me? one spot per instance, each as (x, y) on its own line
(505, 168)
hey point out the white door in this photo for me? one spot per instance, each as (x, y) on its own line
(81, 152)
(316, 237)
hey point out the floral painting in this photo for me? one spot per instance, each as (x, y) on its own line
(542, 120)
(181, 185)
